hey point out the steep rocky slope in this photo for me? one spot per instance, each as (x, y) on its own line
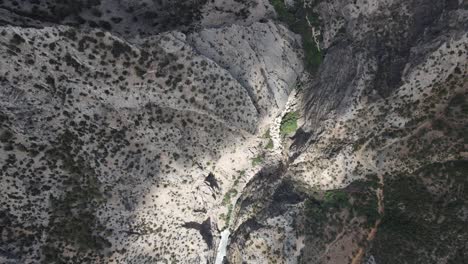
(377, 173)
(137, 131)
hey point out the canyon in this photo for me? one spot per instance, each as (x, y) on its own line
(233, 131)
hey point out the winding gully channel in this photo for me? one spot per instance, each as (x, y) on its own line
(276, 153)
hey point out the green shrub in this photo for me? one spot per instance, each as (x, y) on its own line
(257, 160)
(336, 198)
(289, 123)
(229, 194)
(296, 19)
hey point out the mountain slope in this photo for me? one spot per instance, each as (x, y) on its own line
(113, 147)
(307, 131)
(377, 172)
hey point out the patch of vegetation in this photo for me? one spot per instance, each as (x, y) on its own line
(316, 215)
(227, 201)
(359, 143)
(17, 40)
(72, 215)
(284, 14)
(324, 208)
(139, 72)
(296, 19)
(289, 123)
(236, 179)
(228, 195)
(72, 62)
(269, 145)
(364, 200)
(257, 160)
(227, 217)
(267, 135)
(336, 198)
(119, 48)
(422, 220)
(6, 136)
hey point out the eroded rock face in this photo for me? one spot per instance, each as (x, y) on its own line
(376, 42)
(247, 53)
(106, 143)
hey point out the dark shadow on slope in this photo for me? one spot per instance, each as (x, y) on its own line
(204, 229)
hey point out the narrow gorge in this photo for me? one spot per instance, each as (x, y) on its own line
(234, 131)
